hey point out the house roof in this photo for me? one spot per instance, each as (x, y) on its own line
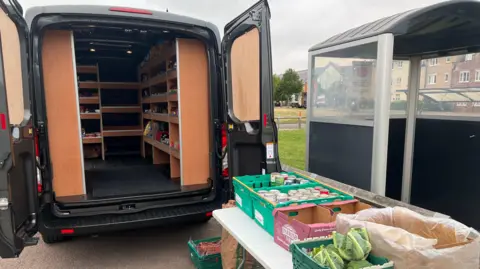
(442, 27)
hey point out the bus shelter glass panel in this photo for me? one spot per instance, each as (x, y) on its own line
(343, 84)
(341, 112)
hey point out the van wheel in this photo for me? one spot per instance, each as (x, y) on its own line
(51, 239)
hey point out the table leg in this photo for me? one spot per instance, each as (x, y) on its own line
(244, 257)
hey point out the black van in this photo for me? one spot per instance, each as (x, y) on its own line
(28, 201)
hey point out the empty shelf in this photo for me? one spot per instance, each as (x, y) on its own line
(88, 85)
(119, 85)
(117, 131)
(157, 144)
(121, 109)
(86, 69)
(90, 116)
(89, 100)
(172, 74)
(92, 140)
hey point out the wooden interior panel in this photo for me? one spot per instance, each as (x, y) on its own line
(245, 66)
(12, 68)
(194, 112)
(62, 112)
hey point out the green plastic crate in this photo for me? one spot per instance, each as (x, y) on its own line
(301, 260)
(263, 209)
(244, 185)
(213, 261)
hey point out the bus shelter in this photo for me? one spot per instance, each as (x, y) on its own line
(394, 108)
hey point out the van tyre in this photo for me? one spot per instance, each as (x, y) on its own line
(52, 239)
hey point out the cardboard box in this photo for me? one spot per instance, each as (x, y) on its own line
(310, 220)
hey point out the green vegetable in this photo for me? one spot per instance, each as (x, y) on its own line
(358, 264)
(328, 257)
(354, 246)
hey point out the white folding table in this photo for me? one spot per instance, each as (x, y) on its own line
(253, 239)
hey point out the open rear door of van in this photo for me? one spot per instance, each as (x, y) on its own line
(18, 194)
(247, 59)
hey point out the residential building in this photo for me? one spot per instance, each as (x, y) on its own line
(466, 73)
(436, 73)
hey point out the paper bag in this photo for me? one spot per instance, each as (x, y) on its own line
(229, 248)
(411, 240)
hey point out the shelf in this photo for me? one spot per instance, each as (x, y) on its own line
(159, 117)
(117, 131)
(158, 79)
(88, 85)
(144, 85)
(173, 97)
(92, 140)
(147, 116)
(119, 85)
(157, 144)
(90, 116)
(121, 109)
(161, 98)
(172, 74)
(151, 63)
(173, 119)
(89, 100)
(175, 153)
(86, 69)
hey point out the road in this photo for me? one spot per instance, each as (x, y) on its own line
(149, 248)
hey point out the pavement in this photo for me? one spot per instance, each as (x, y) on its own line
(161, 247)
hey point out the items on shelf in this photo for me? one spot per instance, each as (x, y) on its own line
(175, 145)
(92, 151)
(145, 93)
(84, 109)
(172, 65)
(174, 111)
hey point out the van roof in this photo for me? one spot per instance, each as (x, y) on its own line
(33, 12)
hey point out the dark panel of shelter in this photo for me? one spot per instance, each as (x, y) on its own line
(445, 171)
(396, 145)
(341, 152)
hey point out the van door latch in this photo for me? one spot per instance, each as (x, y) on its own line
(3, 204)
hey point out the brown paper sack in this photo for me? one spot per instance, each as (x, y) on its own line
(229, 248)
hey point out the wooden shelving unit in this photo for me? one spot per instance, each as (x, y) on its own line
(99, 86)
(186, 110)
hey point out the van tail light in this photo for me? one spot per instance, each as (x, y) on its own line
(131, 10)
(37, 158)
(67, 231)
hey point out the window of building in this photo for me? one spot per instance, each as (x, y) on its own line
(464, 76)
(399, 64)
(399, 80)
(432, 79)
(448, 60)
(397, 97)
(469, 57)
(446, 77)
(477, 75)
(433, 61)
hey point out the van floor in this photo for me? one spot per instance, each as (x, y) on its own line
(127, 176)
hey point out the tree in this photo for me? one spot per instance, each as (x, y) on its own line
(276, 82)
(289, 85)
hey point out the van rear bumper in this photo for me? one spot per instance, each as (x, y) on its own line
(51, 225)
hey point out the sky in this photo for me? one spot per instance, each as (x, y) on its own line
(296, 25)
